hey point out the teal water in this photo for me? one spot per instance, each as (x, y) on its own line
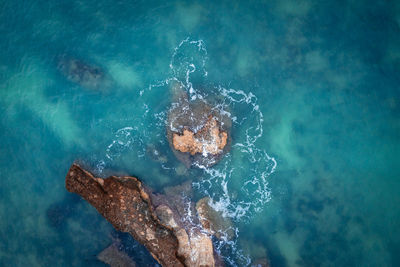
(312, 87)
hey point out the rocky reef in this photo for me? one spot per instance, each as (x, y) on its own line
(198, 132)
(114, 257)
(212, 221)
(86, 75)
(158, 225)
(125, 251)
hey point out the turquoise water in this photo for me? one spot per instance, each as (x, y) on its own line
(312, 87)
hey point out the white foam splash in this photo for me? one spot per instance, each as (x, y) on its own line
(254, 193)
(240, 204)
(189, 57)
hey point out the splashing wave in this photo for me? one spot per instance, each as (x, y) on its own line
(238, 185)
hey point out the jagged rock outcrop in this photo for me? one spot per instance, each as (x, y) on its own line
(128, 206)
(195, 247)
(197, 132)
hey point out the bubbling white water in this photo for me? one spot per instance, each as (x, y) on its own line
(238, 185)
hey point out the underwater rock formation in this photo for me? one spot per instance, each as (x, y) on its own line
(115, 257)
(263, 262)
(156, 154)
(213, 221)
(59, 212)
(124, 251)
(197, 131)
(128, 206)
(84, 74)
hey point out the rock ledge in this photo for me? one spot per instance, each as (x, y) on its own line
(127, 205)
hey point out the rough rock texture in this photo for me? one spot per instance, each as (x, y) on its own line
(197, 131)
(196, 247)
(208, 139)
(126, 205)
(175, 209)
(178, 198)
(213, 221)
(124, 202)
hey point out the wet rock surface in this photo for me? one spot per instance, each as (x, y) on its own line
(194, 246)
(175, 209)
(198, 132)
(213, 221)
(128, 206)
(208, 140)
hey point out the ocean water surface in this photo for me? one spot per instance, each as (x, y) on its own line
(312, 87)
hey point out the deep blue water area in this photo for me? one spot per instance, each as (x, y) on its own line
(312, 87)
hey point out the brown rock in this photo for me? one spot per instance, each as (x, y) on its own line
(166, 216)
(125, 204)
(128, 207)
(196, 247)
(209, 139)
(198, 251)
(197, 132)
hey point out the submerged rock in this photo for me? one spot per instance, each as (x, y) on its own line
(213, 221)
(82, 73)
(178, 199)
(125, 249)
(115, 257)
(58, 213)
(156, 154)
(262, 262)
(198, 133)
(181, 170)
(128, 206)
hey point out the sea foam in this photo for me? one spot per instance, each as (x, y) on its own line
(238, 185)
